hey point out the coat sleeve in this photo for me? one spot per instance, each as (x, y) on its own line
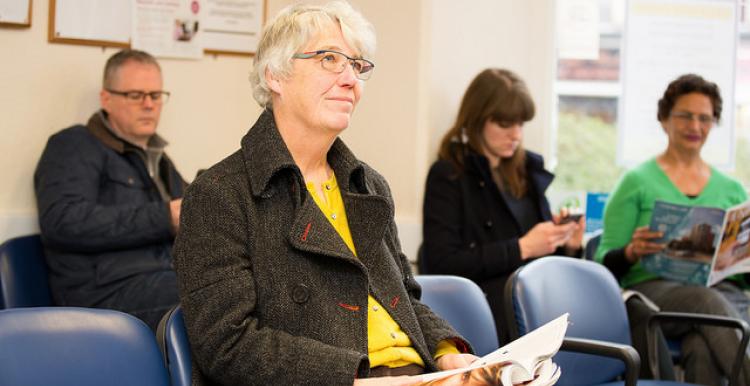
(219, 297)
(67, 183)
(445, 249)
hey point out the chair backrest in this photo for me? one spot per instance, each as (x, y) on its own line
(175, 347)
(548, 287)
(463, 304)
(23, 273)
(67, 346)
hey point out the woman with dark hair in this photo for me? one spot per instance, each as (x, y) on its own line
(485, 213)
(687, 111)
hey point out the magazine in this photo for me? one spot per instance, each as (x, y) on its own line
(702, 245)
(525, 361)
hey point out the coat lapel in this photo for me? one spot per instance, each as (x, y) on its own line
(312, 232)
(368, 217)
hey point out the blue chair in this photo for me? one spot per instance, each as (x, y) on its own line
(463, 304)
(69, 346)
(23, 273)
(175, 347)
(546, 288)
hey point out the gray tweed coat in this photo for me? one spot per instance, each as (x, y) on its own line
(270, 292)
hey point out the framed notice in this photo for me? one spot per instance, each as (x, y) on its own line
(664, 39)
(90, 22)
(233, 26)
(211, 26)
(15, 13)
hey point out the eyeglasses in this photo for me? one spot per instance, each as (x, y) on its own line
(335, 61)
(687, 117)
(140, 96)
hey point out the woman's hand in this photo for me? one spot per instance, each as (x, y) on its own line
(575, 242)
(544, 238)
(455, 361)
(403, 380)
(641, 244)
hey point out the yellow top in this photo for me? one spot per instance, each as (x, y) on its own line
(387, 344)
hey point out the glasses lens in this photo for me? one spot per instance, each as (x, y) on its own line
(365, 69)
(159, 96)
(134, 96)
(688, 117)
(333, 61)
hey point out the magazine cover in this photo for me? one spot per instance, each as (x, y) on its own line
(702, 245)
(691, 234)
(734, 247)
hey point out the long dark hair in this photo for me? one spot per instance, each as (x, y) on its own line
(496, 95)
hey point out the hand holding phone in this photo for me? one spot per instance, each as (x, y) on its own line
(569, 214)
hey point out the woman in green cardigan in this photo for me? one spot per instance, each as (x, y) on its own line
(687, 112)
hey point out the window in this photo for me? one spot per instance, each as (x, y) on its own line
(587, 97)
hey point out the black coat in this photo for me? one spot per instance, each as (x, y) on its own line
(101, 216)
(271, 294)
(468, 228)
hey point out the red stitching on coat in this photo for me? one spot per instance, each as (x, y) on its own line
(307, 230)
(349, 307)
(394, 301)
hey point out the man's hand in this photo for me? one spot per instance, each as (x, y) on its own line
(174, 211)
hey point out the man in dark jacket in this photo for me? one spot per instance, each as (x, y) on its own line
(109, 199)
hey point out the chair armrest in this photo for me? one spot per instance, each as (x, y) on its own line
(657, 319)
(625, 353)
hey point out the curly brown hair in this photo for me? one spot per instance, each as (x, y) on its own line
(687, 84)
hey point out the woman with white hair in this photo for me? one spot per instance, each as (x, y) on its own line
(289, 265)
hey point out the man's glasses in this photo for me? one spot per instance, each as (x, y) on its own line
(140, 96)
(687, 117)
(335, 61)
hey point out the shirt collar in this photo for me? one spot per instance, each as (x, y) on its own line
(100, 127)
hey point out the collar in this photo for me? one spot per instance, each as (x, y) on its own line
(98, 125)
(266, 155)
(477, 163)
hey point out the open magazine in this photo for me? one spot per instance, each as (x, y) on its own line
(525, 361)
(702, 245)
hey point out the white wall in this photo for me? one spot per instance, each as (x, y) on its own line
(467, 37)
(428, 51)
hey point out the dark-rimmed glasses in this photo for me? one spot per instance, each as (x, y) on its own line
(140, 96)
(335, 61)
(687, 117)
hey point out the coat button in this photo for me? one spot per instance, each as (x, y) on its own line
(300, 293)
(472, 245)
(481, 184)
(131, 180)
(488, 224)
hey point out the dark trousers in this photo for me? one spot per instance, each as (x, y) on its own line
(638, 316)
(146, 296)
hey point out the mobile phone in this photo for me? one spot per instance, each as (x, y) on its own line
(573, 217)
